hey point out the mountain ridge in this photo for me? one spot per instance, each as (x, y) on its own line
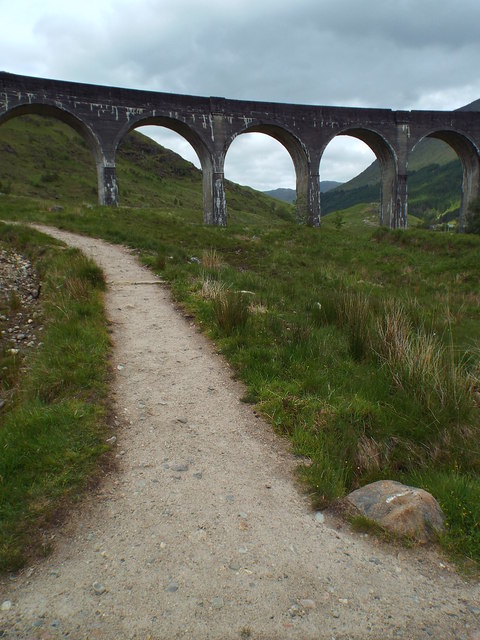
(290, 195)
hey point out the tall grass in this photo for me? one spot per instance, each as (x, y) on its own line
(365, 388)
(420, 364)
(231, 311)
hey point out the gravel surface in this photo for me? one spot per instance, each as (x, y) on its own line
(20, 324)
(202, 532)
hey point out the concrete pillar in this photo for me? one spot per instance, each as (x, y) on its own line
(314, 207)
(219, 200)
(399, 220)
(470, 187)
(214, 202)
(308, 187)
(107, 184)
(400, 171)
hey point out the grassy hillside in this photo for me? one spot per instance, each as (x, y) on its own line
(434, 184)
(359, 344)
(432, 189)
(44, 158)
(290, 195)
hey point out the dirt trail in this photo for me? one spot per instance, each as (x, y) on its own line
(202, 532)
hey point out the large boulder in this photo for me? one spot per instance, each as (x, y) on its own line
(403, 510)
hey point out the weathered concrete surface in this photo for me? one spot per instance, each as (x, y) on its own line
(104, 115)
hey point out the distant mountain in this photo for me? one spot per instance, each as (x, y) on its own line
(289, 195)
(473, 106)
(434, 182)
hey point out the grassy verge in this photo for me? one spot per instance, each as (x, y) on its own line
(360, 344)
(53, 431)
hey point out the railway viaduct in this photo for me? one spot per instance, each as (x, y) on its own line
(104, 115)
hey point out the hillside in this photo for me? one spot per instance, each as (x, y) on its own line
(434, 185)
(290, 195)
(43, 158)
(303, 316)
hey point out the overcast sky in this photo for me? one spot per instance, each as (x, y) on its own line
(398, 54)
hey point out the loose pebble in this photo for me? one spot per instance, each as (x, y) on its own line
(217, 603)
(98, 588)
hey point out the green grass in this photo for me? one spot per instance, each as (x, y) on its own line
(313, 339)
(360, 344)
(45, 159)
(52, 434)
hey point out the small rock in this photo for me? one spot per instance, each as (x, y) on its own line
(111, 440)
(172, 587)
(198, 475)
(6, 605)
(319, 517)
(98, 588)
(307, 604)
(180, 467)
(217, 603)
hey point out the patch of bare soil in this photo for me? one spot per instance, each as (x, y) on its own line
(202, 532)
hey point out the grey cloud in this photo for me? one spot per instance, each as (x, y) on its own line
(398, 54)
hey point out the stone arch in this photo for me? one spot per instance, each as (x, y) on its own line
(87, 134)
(469, 155)
(308, 210)
(207, 161)
(392, 211)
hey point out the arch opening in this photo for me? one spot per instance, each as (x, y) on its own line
(48, 154)
(152, 174)
(350, 176)
(135, 141)
(444, 179)
(268, 159)
(374, 184)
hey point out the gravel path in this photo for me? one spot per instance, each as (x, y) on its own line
(202, 532)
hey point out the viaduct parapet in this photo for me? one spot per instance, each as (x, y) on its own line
(104, 115)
